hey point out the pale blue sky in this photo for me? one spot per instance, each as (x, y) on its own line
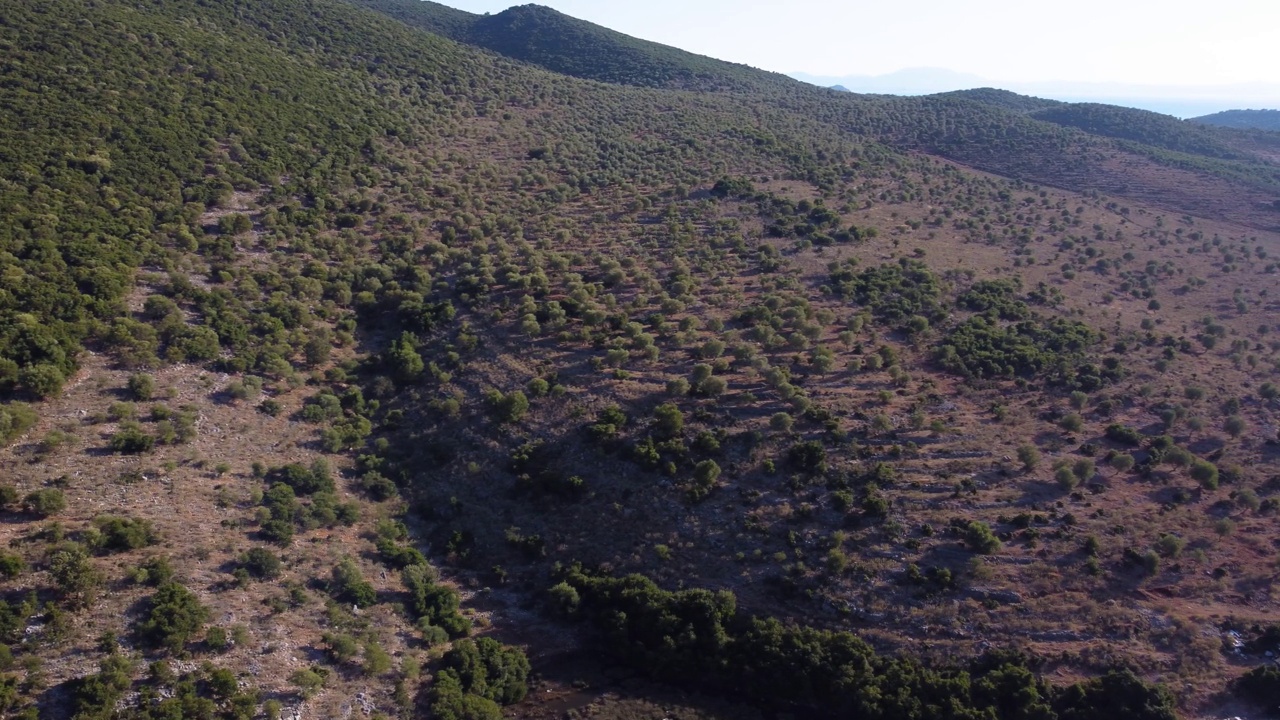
(1150, 42)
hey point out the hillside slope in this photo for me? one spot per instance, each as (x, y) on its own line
(1129, 153)
(348, 368)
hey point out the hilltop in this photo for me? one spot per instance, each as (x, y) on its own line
(372, 357)
(552, 40)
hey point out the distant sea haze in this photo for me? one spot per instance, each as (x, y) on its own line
(1183, 102)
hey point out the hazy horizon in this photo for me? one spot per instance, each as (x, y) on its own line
(1183, 102)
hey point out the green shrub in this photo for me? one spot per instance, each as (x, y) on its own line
(1123, 434)
(173, 617)
(435, 604)
(96, 696)
(340, 647)
(1205, 473)
(486, 668)
(809, 456)
(398, 556)
(1122, 462)
(348, 585)
(668, 420)
(705, 475)
(217, 639)
(1261, 686)
(141, 387)
(261, 563)
(1235, 426)
(118, 534)
(1170, 545)
(1029, 456)
(309, 680)
(44, 502)
(1066, 479)
(155, 571)
(305, 480)
(980, 539)
(131, 439)
(43, 380)
(73, 573)
(11, 565)
(403, 360)
(375, 659)
(378, 487)
(563, 600)
(508, 408)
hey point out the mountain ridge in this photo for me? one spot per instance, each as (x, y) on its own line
(1243, 119)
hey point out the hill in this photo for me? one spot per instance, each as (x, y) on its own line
(1243, 119)
(552, 40)
(353, 366)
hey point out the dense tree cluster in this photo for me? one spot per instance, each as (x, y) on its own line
(700, 638)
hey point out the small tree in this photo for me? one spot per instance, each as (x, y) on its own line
(44, 502)
(1029, 456)
(980, 539)
(1066, 478)
(403, 360)
(1205, 473)
(309, 680)
(1085, 469)
(1122, 462)
(174, 616)
(77, 579)
(564, 600)
(1071, 423)
(348, 585)
(1235, 426)
(705, 475)
(261, 563)
(509, 408)
(668, 420)
(131, 439)
(142, 387)
(1178, 457)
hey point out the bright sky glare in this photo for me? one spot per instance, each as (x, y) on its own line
(1165, 42)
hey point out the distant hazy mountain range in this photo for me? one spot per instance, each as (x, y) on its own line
(1180, 101)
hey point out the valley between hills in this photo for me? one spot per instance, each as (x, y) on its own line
(370, 358)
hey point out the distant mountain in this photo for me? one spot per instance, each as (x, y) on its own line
(1243, 119)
